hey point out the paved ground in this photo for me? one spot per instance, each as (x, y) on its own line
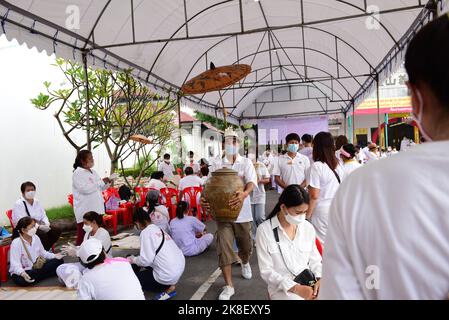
(200, 279)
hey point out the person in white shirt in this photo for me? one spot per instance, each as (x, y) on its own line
(390, 239)
(204, 171)
(372, 154)
(106, 278)
(162, 261)
(258, 195)
(188, 232)
(87, 190)
(308, 149)
(325, 177)
(190, 180)
(286, 247)
(405, 144)
(240, 230)
(30, 263)
(29, 206)
(70, 273)
(192, 164)
(268, 160)
(156, 181)
(360, 155)
(347, 154)
(160, 215)
(293, 167)
(166, 167)
(340, 141)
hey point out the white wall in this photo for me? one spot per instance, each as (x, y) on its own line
(31, 144)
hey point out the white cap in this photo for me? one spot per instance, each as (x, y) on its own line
(90, 250)
(229, 132)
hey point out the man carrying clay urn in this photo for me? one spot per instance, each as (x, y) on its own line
(240, 230)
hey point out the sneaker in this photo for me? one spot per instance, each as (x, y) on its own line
(246, 271)
(165, 296)
(227, 293)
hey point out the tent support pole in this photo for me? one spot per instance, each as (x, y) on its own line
(378, 108)
(179, 127)
(86, 75)
(354, 137)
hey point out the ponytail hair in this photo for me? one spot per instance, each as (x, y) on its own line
(292, 196)
(181, 208)
(80, 158)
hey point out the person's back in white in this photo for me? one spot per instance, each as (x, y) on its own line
(324, 179)
(391, 239)
(399, 232)
(155, 184)
(112, 280)
(168, 265)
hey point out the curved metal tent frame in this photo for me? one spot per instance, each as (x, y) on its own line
(321, 44)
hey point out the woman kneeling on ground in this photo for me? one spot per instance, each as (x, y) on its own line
(161, 263)
(29, 262)
(184, 229)
(70, 273)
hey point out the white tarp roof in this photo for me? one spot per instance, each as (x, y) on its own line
(325, 48)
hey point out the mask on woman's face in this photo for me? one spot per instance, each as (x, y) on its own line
(29, 195)
(32, 231)
(231, 149)
(292, 147)
(87, 228)
(294, 220)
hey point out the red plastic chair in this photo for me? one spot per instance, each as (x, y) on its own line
(110, 220)
(319, 246)
(70, 199)
(166, 196)
(128, 215)
(9, 215)
(4, 262)
(192, 193)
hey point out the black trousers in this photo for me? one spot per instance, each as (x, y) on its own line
(49, 238)
(47, 271)
(147, 280)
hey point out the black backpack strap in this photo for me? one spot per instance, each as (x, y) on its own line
(26, 208)
(275, 233)
(162, 242)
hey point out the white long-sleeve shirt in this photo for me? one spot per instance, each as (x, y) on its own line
(169, 263)
(299, 254)
(37, 212)
(112, 280)
(87, 193)
(390, 238)
(18, 257)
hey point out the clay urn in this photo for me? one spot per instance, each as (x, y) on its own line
(219, 189)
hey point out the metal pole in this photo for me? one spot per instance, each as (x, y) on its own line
(354, 137)
(386, 130)
(86, 75)
(378, 107)
(224, 110)
(344, 120)
(179, 127)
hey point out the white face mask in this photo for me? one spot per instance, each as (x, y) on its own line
(230, 149)
(32, 231)
(30, 195)
(294, 220)
(87, 228)
(418, 118)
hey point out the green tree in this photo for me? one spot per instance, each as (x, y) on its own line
(119, 107)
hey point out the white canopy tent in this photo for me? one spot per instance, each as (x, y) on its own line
(308, 57)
